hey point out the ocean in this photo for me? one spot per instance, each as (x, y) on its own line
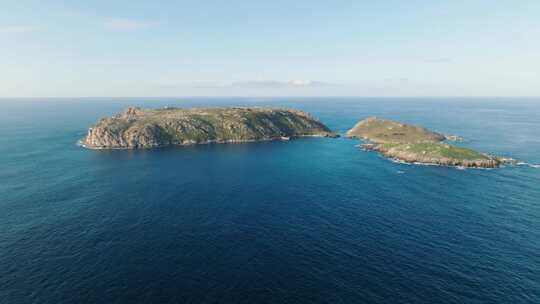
(312, 220)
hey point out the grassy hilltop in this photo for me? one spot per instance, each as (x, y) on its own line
(387, 131)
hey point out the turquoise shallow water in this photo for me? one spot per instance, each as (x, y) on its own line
(305, 221)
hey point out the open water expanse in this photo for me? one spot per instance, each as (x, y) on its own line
(304, 221)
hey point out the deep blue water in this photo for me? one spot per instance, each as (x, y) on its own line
(305, 221)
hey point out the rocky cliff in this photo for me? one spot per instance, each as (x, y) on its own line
(140, 128)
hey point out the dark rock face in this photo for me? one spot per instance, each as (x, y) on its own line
(138, 128)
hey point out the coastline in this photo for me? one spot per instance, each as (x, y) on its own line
(80, 142)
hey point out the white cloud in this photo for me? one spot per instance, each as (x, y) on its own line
(252, 84)
(127, 24)
(196, 85)
(280, 84)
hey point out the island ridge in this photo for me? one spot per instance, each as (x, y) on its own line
(138, 128)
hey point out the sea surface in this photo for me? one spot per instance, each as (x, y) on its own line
(306, 221)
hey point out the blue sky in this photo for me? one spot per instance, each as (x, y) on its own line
(270, 48)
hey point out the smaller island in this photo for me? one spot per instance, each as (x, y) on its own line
(417, 145)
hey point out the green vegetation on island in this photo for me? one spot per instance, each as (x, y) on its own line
(387, 131)
(413, 144)
(139, 128)
(437, 149)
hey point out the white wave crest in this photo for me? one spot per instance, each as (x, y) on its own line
(536, 166)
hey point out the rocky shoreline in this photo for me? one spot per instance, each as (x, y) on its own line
(208, 142)
(418, 159)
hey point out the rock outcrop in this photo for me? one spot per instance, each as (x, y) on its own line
(138, 128)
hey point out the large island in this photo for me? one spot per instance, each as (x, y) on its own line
(413, 144)
(138, 128)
